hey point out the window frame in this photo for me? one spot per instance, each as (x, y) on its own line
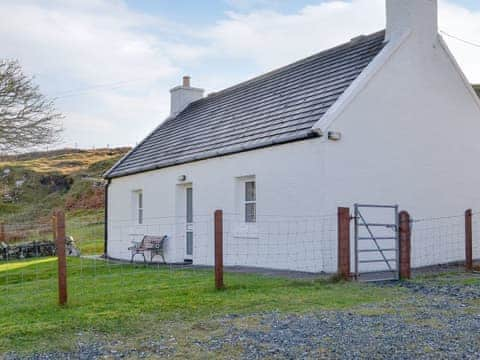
(189, 209)
(139, 207)
(247, 202)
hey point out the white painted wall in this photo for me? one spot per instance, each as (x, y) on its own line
(410, 132)
(291, 231)
(182, 96)
(419, 16)
(410, 137)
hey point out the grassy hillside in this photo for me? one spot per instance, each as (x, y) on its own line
(477, 89)
(32, 185)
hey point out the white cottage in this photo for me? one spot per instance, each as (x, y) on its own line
(386, 118)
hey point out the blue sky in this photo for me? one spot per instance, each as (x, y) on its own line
(110, 63)
(208, 11)
(205, 12)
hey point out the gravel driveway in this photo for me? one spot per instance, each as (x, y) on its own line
(436, 319)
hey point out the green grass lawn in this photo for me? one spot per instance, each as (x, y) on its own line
(124, 301)
(85, 226)
(87, 229)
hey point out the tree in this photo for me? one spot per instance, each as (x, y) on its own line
(27, 118)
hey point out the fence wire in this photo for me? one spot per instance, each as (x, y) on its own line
(476, 239)
(28, 265)
(296, 246)
(438, 241)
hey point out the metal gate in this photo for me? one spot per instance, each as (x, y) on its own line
(376, 242)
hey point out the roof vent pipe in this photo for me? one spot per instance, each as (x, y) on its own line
(181, 96)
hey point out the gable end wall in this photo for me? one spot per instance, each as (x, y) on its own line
(411, 137)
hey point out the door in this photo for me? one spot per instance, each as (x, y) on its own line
(189, 224)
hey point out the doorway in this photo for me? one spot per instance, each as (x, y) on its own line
(189, 223)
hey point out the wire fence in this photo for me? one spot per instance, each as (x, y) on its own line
(301, 246)
(26, 249)
(295, 246)
(441, 242)
(438, 241)
(304, 244)
(476, 239)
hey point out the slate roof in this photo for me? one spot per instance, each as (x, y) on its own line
(275, 108)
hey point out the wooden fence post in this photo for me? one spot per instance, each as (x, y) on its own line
(405, 245)
(59, 221)
(219, 249)
(343, 232)
(54, 226)
(468, 241)
(2, 233)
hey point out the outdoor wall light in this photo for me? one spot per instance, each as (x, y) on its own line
(182, 178)
(334, 135)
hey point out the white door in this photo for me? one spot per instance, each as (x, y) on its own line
(189, 224)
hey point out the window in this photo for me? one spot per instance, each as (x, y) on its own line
(189, 205)
(139, 206)
(250, 202)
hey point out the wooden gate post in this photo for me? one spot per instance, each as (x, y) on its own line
(343, 232)
(59, 221)
(219, 249)
(405, 245)
(468, 241)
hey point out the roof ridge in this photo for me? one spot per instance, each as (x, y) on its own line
(328, 73)
(353, 42)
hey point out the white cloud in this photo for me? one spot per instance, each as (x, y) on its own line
(103, 60)
(251, 4)
(464, 24)
(120, 120)
(95, 41)
(272, 39)
(125, 61)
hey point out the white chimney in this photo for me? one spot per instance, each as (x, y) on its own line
(420, 17)
(181, 96)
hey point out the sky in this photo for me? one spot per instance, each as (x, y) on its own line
(109, 64)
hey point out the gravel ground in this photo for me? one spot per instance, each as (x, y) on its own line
(438, 319)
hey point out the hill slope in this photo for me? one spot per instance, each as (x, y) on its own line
(32, 185)
(477, 89)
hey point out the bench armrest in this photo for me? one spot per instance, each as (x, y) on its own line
(135, 245)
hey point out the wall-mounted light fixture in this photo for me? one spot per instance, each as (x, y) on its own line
(182, 178)
(334, 135)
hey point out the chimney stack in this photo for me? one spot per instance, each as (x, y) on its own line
(420, 17)
(181, 96)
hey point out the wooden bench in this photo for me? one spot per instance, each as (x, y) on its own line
(153, 244)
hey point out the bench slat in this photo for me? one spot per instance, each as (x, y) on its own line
(150, 242)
